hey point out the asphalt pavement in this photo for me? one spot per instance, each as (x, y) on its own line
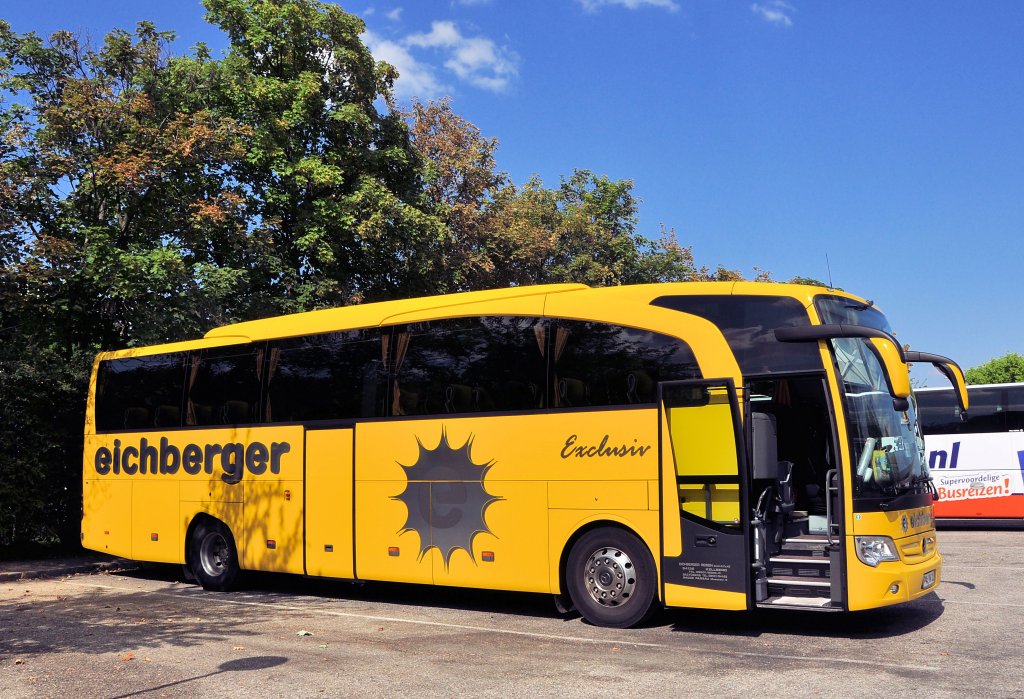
(147, 633)
(62, 566)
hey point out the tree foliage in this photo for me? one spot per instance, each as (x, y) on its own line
(1006, 369)
(146, 197)
(108, 171)
(500, 234)
(334, 187)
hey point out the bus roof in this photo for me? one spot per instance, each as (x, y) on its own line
(380, 313)
(523, 300)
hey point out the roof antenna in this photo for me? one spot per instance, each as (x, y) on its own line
(829, 268)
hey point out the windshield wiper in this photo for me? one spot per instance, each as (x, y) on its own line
(898, 502)
(861, 306)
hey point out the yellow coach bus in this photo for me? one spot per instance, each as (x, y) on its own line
(711, 445)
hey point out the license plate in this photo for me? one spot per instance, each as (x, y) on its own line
(928, 580)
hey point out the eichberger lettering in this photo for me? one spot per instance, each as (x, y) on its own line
(233, 458)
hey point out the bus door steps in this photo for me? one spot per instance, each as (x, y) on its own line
(798, 602)
(790, 581)
(786, 590)
(801, 569)
(809, 542)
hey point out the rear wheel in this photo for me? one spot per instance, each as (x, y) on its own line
(611, 578)
(213, 556)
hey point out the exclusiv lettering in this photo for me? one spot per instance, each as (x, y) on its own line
(585, 451)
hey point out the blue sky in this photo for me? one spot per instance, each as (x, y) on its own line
(888, 136)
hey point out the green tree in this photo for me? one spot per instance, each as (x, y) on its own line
(334, 188)
(146, 197)
(1006, 369)
(114, 214)
(583, 231)
(497, 234)
(461, 184)
(809, 281)
(120, 200)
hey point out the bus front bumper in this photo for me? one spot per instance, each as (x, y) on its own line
(890, 582)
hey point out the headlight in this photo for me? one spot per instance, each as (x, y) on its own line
(875, 549)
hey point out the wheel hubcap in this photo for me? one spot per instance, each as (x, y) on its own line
(214, 553)
(610, 577)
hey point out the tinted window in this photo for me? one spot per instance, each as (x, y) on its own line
(138, 392)
(748, 324)
(598, 364)
(467, 365)
(843, 311)
(938, 411)
(223, 386)
(992, 409)
(326, 377)
(1014, 408)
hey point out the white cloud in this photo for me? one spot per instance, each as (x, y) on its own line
(476, 60)
(395, 14)
(415, 79)
(442, 35)
(595, 5)
(775, 12)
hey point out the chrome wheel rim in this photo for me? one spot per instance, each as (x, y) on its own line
(610, 577)
(214, 553)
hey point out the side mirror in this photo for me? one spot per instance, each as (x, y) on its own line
(950, 369)
(897, 373)
(884, 346)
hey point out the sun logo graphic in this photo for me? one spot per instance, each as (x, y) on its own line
(446, 498)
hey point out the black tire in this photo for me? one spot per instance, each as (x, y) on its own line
(213, 556)
(611, 578)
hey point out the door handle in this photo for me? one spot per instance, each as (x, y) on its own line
(706, 541)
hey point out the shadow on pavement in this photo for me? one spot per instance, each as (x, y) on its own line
(101, 620)
(878, 623)
(886, 622)
(258, 662)
(284, 588)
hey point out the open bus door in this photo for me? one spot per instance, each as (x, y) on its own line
(705, 558)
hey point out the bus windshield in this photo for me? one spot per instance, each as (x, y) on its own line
(886, 444)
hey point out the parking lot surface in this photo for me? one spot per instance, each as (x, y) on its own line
(149, 634)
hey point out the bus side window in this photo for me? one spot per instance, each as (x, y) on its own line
(987, 412)
(468, 365)
(598, 364)
(140, 392)
(1015, 408)
(333, 376)
(223, 386)
(938, 412)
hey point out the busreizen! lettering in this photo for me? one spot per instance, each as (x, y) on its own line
(233, 458)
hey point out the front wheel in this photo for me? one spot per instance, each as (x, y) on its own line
(611, 578)
(213, 556)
